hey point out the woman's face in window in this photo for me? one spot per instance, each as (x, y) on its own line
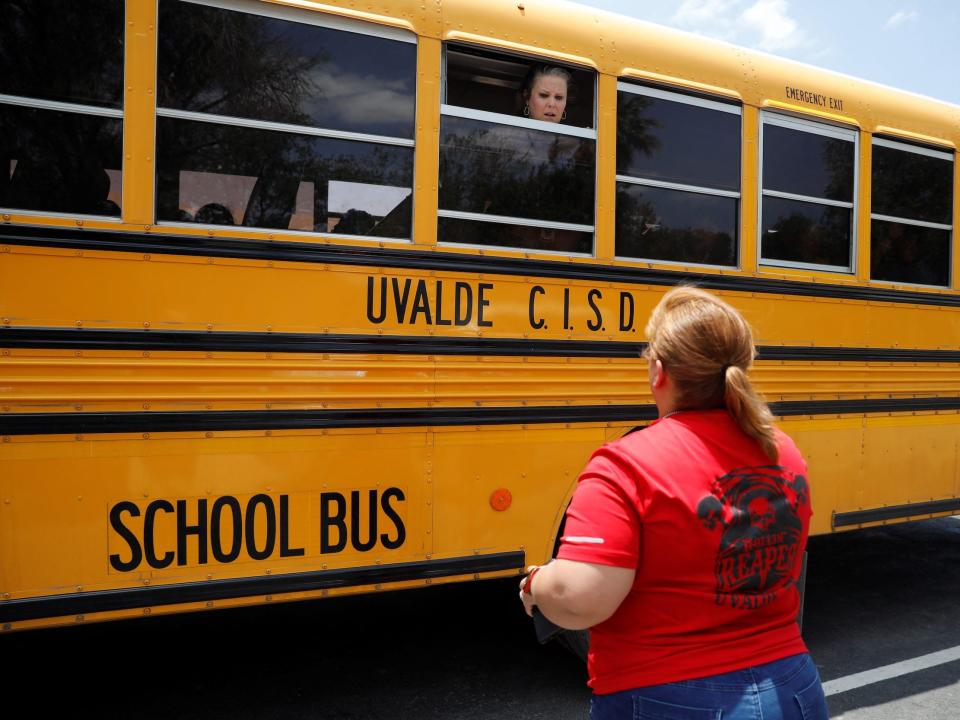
(548, 98)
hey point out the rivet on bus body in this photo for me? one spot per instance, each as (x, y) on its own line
(146, 611)
(208, 434)
(78, 407)
(6, 217)
(146, 324)
(377, 587)
(269, 598)
(80, 223)
(428, 581)
(79, 588)
(79, 618)
(209, 603)
(429, 556)
(323, 567)
(146, 436)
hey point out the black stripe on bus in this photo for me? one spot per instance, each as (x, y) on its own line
(129, 598)
(895, 512)
(185, 340)
(389, 258)
(79, 423)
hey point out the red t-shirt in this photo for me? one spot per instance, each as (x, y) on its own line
(716, 532)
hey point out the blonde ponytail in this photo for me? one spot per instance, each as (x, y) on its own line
(749, 409)
(707, 347)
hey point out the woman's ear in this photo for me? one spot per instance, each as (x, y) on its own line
(657, 374)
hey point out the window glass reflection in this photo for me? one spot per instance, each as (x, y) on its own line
(218, 174)
(910, 185)
(469, 232)
(676, 142)
(805, 163)
(909, 254)
(805, 232)
(516, 172)
(238, 64)
(60, 162)
(62, 50)
(661, 224)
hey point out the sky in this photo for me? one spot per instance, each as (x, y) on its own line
(908, 45)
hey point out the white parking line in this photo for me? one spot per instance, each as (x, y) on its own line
(867, 677)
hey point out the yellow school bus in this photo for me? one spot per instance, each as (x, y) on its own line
(297, 301)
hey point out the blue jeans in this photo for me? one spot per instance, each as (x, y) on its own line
(787, 689)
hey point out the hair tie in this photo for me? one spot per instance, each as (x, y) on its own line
(723, 370)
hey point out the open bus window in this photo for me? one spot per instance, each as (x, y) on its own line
(911, 213)
(61, 117)
(517, 170)
(678, 177)
(808, 190)
(495, 82)
(312, 132)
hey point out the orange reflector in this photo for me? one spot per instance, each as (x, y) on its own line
(500, 499)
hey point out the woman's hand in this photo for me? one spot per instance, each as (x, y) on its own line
(526, 589)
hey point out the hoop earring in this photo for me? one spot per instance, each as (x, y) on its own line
(526, 110)
(564, 116)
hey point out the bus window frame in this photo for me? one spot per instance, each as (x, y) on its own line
(317, 19)
(77, 109)
(732, 107)
(929, 152)
(523, 122)
(816, 127)
(310, 17)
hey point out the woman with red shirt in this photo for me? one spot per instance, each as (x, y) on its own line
(683, 543)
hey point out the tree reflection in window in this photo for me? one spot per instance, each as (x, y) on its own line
(678, 172)
(516, 172)
(808, 198)
(61, 128)
(217, 63)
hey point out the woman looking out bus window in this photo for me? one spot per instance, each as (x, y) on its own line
(683, 543)
(545, 91)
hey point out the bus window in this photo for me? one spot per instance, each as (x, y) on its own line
(268, 119)
(808, 189)
(517, 153)
(911, 214)
(678, 177)
(61, 106)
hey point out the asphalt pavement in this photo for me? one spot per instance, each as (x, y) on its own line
(874, 598)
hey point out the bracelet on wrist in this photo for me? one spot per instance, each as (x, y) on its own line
(528, 585)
